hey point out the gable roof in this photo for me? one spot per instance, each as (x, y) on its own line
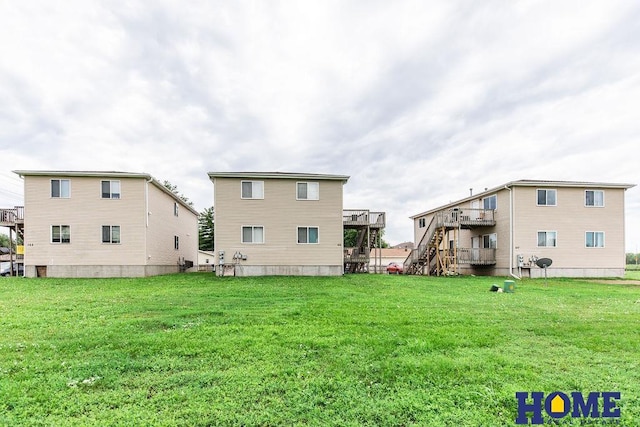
(528, 183)
(278, 175)
(107, 174)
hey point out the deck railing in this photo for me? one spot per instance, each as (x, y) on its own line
(12, 215)
(363, 217)
(477, 256)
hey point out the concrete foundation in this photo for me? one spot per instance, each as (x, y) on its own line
(286, 270)
(537, 272)
(98, 271)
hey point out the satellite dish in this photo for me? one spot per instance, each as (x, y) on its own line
(544, 262)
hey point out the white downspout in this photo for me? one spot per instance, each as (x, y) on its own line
(146, 201)
(511, 234)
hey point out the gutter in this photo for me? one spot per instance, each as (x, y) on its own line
(511, 234)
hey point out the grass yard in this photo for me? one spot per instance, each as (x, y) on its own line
(354, 350)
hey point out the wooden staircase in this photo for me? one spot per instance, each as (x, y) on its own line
(432, 255)
(368, 226)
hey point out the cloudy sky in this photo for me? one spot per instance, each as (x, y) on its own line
(417, 101)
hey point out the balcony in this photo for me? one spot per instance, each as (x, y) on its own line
(477, 256)
(12, 216)
(467, 217)
(363, 217)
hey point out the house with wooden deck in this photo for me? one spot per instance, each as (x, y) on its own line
(278, 223)
(505, 230)
(104, 224)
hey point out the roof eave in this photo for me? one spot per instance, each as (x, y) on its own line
(278, 175)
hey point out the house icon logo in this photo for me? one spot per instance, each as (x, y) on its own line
(533, 406)
(557, 405)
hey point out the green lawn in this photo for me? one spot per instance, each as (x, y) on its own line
(354, 350)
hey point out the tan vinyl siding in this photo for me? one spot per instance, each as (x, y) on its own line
(280, 214)
(85, 212)
(164, 225)
(570, 218)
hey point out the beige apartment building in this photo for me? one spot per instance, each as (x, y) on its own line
(105, 224)
(272, 223)
(502, 231)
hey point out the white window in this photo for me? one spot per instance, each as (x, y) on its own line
(252, 189)
(110, 234)
(422, 222)
(176, 242)
(547, 197)
(594, 198)
(175, 208)
(490, 241)
(594, 239)
(490, 202)
(110, 189)
(60, 234)
(252, 234)
(308, 235)
(308, 191)
(547, 239)
(60, 188)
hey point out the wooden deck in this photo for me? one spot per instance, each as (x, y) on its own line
(12, 216)
(363, 218)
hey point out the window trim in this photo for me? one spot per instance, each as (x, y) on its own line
(61, 242)
(546, 197)
(604, 242)
(489, 197)
(422, 222)
(252, 182)
(60, 180)
(176, 243)
(111, 193)
(489, 236)
(317, 183)
(546, 231)
(111, 242)
(242, 227)
(317, 242)
(594, 199)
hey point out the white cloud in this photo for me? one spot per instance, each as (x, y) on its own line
(417, 101)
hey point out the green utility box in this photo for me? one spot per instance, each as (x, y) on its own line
(509, 286)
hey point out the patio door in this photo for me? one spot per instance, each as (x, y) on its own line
(475, 248)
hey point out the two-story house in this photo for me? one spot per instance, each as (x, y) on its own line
(272, 223)
(104, 224)
(503, 231)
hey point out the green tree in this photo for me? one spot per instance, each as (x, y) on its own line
(205, 229)
(632, 258)
(351, 237)
(5, 243)
(174, 189)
